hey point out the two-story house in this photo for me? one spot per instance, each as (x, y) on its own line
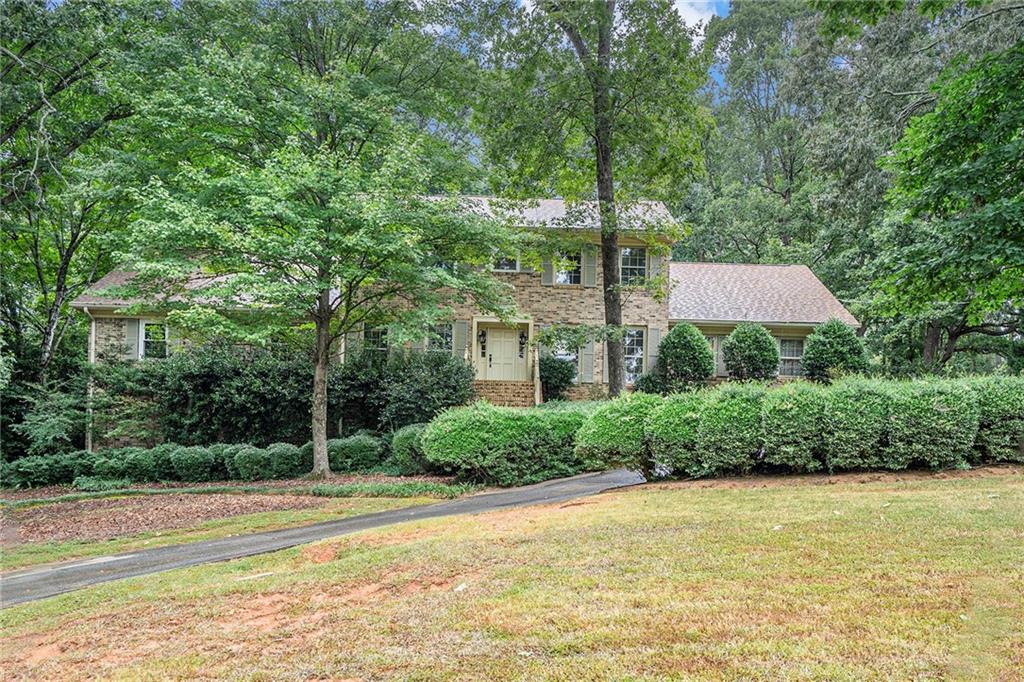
(788, 299)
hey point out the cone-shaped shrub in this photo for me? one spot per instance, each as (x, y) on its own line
(750, 352)
(685, 359)
(831, 350)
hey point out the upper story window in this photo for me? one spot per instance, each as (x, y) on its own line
(506, 265)
(572, 269)
(154, 340)
(633, 351)
(442, 338)
(791, 352)
(633, 262)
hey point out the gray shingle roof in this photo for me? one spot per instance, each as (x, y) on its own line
(730, 292)
(580, 215)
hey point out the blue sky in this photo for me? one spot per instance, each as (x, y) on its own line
(693, 11)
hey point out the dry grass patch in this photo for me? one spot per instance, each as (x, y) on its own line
(883, 580)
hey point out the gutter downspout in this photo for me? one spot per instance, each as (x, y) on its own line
(89, 390)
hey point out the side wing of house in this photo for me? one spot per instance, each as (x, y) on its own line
(788, 300)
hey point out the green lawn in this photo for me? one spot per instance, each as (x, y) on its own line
(888, 580)
(33, 553)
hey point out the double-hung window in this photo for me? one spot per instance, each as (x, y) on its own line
(633, 262)
(571, 269)
(791, 352)
(442, 338)
(375, 341)
(570, 354)
(154, 340)
(506, 264)
(633, 351)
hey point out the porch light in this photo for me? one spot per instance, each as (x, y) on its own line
(522, 343)
(481, 338)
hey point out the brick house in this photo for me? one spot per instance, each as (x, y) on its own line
(788, 299)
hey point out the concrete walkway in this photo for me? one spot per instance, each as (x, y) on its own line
(46, 581)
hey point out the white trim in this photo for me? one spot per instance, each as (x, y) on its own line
(143, 321)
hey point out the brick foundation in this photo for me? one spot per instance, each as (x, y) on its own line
(505, 393)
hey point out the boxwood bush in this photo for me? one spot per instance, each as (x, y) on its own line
(615, 434)
(730, 434)
(685, 359)
(407, 456)
(1000, 419)
(505, 446)
(40, 470)
(792, 420)
(856, 425)
(278, 460)
(750, 352)
(198, 464)
(672, 430)
(932, 423)
(355, 453)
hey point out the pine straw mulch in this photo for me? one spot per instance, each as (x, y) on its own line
(106, 519)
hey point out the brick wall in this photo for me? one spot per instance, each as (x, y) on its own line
(110, 341)
(507, 393)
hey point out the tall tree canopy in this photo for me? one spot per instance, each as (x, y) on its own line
(323, 129)
(593, 100)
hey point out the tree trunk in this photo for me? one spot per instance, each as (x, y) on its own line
(603, 123)
(931, 343)
(321, 465)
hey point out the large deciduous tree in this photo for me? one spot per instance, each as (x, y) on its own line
(594, 99)
(322, 131)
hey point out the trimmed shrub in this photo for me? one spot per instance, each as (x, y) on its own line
(355, 453)
(135, 464)
(672, 430)
(1001, 418)
(831, 350)
(417, 386)
(505, 446)
(856, 425)
(407, 451)
(197, 464)
(730, 434)
(792, 416)
(649, 382)
(40, 470)
(615, 434)
(750, 352)
(933, 423)
(556, 376)
(278, 460)
(226, 454)
(163, 467)
(685, 359)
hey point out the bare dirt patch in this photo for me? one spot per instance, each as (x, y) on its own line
(786, 480)
(105, 519)
(44, 492)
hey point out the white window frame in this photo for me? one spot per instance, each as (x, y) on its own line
(631, 378)
(517, 268)
(791, 358)
(578, 270)
(573, 355)
(633, 279)
(383, 331)
(142, 337)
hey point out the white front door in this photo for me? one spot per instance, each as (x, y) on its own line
(502, 354)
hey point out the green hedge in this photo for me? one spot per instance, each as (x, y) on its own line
(933, 423)
(279, 460)
(504, 446)
(856, 425)
(407, 456)
(1000, 418)
(355, 453)
(791, 417)
(40, 470)
(615, 434)
(730, 433)
(672, 430)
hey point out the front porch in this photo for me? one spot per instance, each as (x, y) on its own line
(505, 361)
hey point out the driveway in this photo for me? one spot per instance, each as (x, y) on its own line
(40, 582)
